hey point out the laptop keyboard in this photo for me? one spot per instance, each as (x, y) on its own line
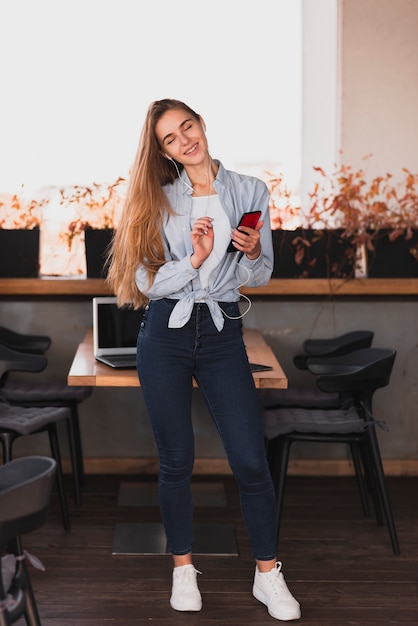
(257, 367)
(122, 360)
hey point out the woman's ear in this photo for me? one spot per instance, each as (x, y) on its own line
(202, 121)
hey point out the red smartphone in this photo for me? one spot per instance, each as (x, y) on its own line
(249, 219)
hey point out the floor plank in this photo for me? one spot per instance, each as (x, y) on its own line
(337, 563)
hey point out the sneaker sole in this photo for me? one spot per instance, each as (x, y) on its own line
(261, 597)
(180, 607)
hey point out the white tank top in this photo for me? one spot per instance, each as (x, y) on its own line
(210, 206)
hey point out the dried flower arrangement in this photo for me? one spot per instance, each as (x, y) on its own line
(18, 213)
(346, 200)
(96, 206)
(362, 210)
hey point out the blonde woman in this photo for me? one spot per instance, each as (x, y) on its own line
(170, 253)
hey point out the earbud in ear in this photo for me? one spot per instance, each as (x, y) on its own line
(167, 157)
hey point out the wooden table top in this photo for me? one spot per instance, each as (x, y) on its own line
(58, 286)
(85, 370)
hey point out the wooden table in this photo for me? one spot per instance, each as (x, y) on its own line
(149, 538)
(85, 370)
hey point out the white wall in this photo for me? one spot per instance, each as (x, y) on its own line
(379, 72)
(320, 89)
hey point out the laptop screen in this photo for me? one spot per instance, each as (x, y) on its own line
(115, 330)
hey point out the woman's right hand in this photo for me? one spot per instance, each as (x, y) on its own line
(202, 236)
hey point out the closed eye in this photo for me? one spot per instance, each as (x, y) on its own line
(184, 126)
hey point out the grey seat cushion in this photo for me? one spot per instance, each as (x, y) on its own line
(26, 421)
(22, 391)
(299, 396)
(332, 421)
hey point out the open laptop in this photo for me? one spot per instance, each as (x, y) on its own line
(115, 332)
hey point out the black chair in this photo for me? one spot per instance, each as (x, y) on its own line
(25, 492)
(356, 377)
(40, 394)
(18, 421)
(310, 396)
(37, 344)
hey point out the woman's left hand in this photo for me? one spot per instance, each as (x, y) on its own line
(247, 240)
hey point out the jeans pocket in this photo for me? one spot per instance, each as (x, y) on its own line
(232, 315)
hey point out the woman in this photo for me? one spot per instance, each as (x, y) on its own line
(170, 254)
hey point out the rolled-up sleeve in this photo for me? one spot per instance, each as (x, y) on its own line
(172, 277)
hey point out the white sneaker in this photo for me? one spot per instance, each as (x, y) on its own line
(270, 588)
(185, 594)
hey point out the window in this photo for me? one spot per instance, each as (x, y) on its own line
(79, 75)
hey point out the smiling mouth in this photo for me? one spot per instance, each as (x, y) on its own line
(192, 150)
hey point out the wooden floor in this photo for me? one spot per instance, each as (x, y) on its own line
(339, 565)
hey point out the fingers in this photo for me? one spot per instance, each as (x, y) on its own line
(202, 236)
(247, 239)
(202, 226)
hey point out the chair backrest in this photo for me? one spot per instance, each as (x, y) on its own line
(353, 340)
(13, 360)
(37, 344)
(359, 372)
(25, 492)
(334, 346)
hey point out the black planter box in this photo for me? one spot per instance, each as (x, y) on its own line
(311, 253)
(19, 253)
(393, 259)
(97, 242)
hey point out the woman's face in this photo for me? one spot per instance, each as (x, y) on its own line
(182, 137)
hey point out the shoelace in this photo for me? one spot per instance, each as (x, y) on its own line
(189, 573)
(277, 581)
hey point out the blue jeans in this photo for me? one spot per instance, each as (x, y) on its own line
(168, 359)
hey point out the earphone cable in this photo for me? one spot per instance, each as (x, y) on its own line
(241, 295)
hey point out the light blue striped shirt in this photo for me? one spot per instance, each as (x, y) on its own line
(178, 280)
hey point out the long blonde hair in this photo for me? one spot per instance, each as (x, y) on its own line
(137, 239)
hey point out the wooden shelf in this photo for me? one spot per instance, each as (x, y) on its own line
(339, 287)
(53, 287)
(284, 287)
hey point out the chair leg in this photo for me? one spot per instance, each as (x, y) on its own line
(281, 453)
(7, 439)
(77, 443)
(31, 612)
(74, 460)
(381, 481)
(355, 455)
(370, 475)
(272, 459)
(56, 454)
